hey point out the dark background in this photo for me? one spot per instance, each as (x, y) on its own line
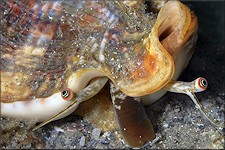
(208, 59)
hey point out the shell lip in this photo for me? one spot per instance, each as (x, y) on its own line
(175, 26)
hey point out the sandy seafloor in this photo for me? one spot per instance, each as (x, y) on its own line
(177, 123)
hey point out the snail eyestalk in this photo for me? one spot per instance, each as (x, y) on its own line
(84, 94)
(189, 88)
(67, 94)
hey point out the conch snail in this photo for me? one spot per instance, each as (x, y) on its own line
(57, 54)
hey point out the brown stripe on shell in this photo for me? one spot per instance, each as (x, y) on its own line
(33, 57)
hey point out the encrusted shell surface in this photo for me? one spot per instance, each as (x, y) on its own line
(50, 45)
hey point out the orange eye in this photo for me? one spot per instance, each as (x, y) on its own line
(67, 94)
(202, 83)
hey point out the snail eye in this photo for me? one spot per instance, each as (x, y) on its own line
(67, 94)
(202, 82)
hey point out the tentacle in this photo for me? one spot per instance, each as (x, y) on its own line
(198, 85)
(71, 106)
(86, 93)
(199, 106)
(135, 126)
